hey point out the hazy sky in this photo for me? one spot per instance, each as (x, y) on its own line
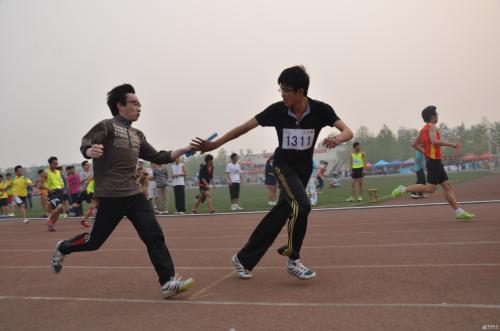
(204, 66)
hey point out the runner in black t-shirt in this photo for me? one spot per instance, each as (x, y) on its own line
(298, 121)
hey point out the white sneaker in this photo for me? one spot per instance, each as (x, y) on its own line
(57, 259)
(297, 269)
(26, 221)
(271, 203)
(233, 207)
(415, 196)
(240, 268)
(239, 208)
(175, 286)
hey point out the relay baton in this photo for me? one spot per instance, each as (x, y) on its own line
(212, 137)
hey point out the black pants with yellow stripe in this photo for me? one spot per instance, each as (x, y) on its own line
(293, 205)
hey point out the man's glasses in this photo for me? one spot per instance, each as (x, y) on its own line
(135, 103)
(286, 90)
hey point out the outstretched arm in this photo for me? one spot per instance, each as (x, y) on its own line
(345, 135)
(202, 145)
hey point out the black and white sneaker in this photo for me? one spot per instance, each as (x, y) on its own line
(297, 269)
(56, 262)
(175, 286)
(240, 268)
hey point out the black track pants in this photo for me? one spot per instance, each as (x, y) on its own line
(138, 210)
(293, 205)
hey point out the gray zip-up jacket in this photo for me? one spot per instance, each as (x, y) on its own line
(115, 170)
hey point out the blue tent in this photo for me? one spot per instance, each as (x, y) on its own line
(395, 163)
(381, 164)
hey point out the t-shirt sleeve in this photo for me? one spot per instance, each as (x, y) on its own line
(269, 116)
(329, 116)
(228, 168)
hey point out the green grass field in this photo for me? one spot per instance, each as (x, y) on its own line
(254, 196)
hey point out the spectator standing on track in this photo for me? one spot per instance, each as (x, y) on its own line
(271, 182)
(160, 175)
(179, 184)
(233, 171)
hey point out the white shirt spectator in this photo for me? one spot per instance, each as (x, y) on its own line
(177, 169)
(152, 184)
(234, 171)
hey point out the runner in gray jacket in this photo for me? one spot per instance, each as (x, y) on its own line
(115, 147)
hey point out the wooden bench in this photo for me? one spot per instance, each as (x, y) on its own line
(372, 193)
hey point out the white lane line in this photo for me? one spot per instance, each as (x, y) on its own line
(258, 303)
(455, 243)
(319, 267)
(285, 235)
(407, 205)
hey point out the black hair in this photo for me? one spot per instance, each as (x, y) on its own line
(17, 167)
(69, 167)
(295, 77)
(85, 162)
(40, 171)
(355, 144)
(1, 176)
(209, 157)
(8, 174)
(233, 155)
(52, 158)
(428, 112)
(119, 95)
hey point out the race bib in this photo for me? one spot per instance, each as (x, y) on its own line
(298, 139)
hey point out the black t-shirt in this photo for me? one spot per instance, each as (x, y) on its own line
(206, 174)
(297, 139)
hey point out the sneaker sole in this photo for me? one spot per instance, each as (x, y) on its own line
(299, 278)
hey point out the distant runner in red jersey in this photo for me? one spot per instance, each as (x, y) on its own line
(429, 143)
